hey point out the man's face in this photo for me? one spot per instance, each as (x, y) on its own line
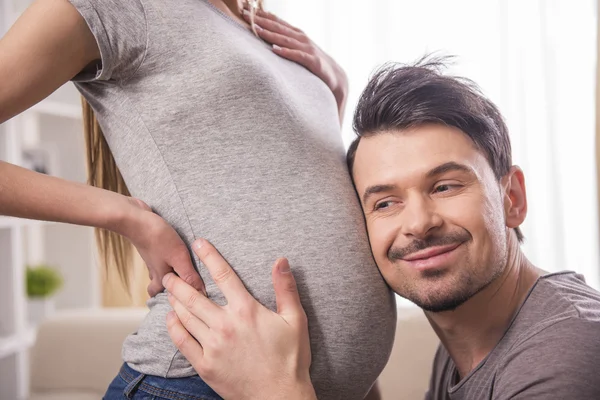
(435, 214)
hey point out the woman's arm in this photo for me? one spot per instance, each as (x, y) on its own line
(28, 194)
(48, 45)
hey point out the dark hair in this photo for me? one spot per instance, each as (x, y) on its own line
(401, 96)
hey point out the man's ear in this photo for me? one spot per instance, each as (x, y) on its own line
(515, 197)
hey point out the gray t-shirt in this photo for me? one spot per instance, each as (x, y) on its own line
(551, 350)
(230, 142)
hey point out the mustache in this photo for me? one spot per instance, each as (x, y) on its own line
(398, 253)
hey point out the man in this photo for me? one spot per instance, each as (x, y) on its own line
(443, 205)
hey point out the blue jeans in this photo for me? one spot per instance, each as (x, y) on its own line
(130, 384)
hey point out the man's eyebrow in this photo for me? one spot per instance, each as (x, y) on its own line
(371, 190)
(439, 170)
(448, 167)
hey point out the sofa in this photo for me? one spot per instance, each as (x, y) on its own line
(77, 354)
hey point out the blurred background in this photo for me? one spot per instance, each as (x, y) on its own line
(536, 59)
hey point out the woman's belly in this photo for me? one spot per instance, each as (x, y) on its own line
(244, 149)
(296, 207)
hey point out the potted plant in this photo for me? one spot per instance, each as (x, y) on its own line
(43, 281)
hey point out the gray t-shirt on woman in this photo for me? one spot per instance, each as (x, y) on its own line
(230, 142)
(551, 351)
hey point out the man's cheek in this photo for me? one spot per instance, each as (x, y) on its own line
(380, 252)
(380, 241)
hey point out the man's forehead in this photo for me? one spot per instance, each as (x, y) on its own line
(391, 154)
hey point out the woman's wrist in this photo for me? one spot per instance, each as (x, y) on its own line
(121, 215)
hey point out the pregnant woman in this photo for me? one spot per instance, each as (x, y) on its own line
(225, 122)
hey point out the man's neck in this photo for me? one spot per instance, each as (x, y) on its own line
(471, 332)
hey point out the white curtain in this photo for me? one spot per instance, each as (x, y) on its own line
(536, 59)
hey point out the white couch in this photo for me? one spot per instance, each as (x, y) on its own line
(77, 354)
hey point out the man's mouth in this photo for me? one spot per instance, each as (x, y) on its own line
(430, 252)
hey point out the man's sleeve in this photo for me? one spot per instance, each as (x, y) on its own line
(560, 362)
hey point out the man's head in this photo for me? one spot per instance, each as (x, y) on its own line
(432, 168)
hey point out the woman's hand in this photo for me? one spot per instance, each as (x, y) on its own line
(242, 350)
(47, 198)
(291, 43)
(160, 247)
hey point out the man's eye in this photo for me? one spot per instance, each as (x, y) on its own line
(443, 188)
(383, 204)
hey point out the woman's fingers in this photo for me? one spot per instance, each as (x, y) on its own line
(194, 301)
(271, 16)
(280, 40)
(155, 286)
(182, 265)
(275, 26)
(287, 41)
(299, 56)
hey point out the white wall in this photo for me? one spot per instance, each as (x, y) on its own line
(535, 59)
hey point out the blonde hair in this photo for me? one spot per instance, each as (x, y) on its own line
(114, 251)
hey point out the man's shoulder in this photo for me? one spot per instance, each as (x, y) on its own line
(569, 288)
(564, 333)
(554, 298)
(561, 316)
(552, 348)
(559, 360)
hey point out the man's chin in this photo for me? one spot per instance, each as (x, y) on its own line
(442, 305)
(436, 301)
(439, 300)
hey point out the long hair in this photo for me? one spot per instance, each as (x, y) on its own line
(114, 251)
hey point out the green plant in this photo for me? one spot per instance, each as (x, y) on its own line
(42, 281)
